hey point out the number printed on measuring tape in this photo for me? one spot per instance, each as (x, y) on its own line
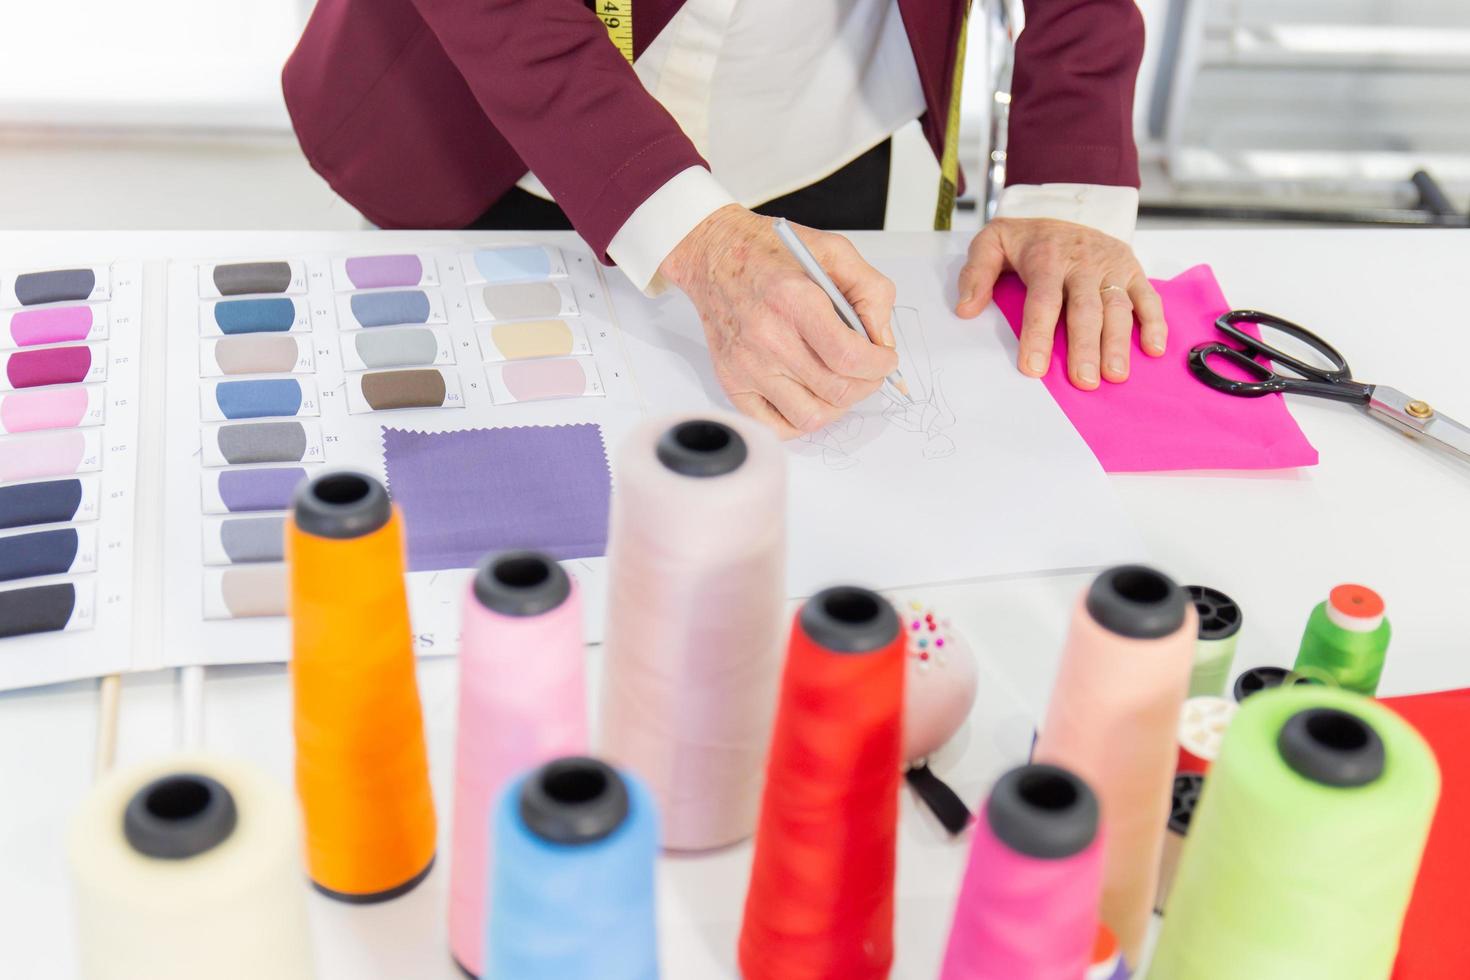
(617, 17)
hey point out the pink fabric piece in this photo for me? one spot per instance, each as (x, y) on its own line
(1161, 418)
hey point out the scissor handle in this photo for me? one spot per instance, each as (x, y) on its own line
(1335, 383)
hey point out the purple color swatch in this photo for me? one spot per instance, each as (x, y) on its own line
(263, 489)
(470, 492)
(373, 271)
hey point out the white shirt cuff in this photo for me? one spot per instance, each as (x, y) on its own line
(1110, 210)
(661, 222)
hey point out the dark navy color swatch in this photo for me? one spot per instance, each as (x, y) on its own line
(43, 609)
(258, 399)
(52, 502)
(254, 315)
(37, 553)
(392, 307)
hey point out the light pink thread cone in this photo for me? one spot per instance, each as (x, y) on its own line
(1112, 718)
(522, 701)
(1027, 909)
(695, 617)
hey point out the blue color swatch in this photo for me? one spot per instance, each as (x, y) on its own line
(513, 264)
(254, 315)
(37, 553)
(386, 309)
(258, 399)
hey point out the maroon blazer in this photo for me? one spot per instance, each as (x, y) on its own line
(422, 113)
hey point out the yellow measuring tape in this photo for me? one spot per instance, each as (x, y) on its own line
(617, 17)
(949, 160)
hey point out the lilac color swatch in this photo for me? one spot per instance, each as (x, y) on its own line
(263, 489)
(467, 493)
(1162, 418)
(50, 325)
(374, 271)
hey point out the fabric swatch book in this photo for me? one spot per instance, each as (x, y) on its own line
(157, 414)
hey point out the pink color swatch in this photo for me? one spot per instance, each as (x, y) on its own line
(54, 454)
(49, 366)
(57, 408)
(51, 325)
(1161, 418)
(531, 380)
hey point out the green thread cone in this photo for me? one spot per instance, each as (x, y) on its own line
(1283, 877)
(1334, 655)
(1214, 649)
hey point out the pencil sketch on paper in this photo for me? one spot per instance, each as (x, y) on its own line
(928, 417)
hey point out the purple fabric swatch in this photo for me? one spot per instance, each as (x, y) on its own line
(264, 489)
(373, 271)
(473, 491)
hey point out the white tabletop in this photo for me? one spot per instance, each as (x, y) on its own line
(1379, 510)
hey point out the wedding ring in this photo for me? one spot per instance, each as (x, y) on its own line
(1118, 288)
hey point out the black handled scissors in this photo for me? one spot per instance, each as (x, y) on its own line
(1410, 415)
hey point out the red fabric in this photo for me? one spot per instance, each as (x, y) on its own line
(1435, 943)
(422, 113)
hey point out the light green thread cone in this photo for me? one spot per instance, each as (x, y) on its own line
(1285, 878)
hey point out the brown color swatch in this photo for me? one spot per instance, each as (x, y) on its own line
(403, 389)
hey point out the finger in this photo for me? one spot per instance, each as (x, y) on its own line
(1117, 334)
(801, 409)
(986, 261)
(1039, 325)
(1084, 330)
(870, 293)
(843, 350)
(753, 404)
(802, 363)
(1153, 331)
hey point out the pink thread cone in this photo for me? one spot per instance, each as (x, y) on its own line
(522, 702)
(696, 549)
(1027, 909)
(1112, 719)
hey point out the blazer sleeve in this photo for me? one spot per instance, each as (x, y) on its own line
(566, 100)
(1071, 116)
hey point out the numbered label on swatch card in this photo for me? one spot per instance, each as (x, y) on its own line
(543, 379)
(258, 398)
(53, 325)
(66, 407)
(254, 315)
(78, 284)
(43, 366)
(50, 608)
(390, 347)
(512, 263)
(523, 300)
(407, 388)
(268, 441)
(53, 551)
(383, 271)
(256, 354)
(390, 308)
(258, 277)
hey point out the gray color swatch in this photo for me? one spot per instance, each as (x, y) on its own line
(263, 442)
(247, 539)
(396, 348)
(522, 300)
(54, 286)
(239, 278)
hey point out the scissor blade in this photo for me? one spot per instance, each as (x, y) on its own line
(1419, 418)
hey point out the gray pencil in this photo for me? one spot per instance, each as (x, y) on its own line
(893, 386)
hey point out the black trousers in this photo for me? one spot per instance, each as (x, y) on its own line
(852, 199)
